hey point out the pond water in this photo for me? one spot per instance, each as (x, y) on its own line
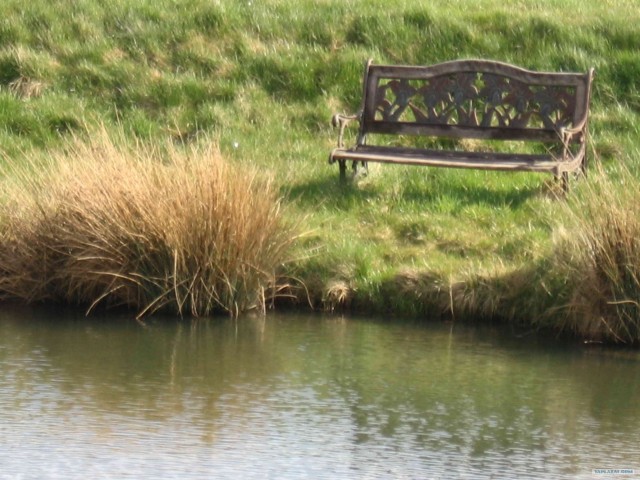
(290, 397)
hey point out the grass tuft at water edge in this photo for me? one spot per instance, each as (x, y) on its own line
(172, 228)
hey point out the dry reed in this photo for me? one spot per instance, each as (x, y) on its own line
(601, 254)
(148, 229)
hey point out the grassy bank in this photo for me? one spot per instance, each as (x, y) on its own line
(261, 80)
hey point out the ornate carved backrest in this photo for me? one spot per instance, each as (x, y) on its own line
(475, 98)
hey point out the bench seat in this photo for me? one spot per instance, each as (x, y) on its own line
(450, 158)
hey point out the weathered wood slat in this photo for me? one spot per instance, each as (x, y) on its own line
(454, 131)
(451, 159)
(488, 66)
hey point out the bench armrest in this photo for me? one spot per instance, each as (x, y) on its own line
(341, 121)
(568, 133)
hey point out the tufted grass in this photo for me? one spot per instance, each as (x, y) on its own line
(107, 224)
(600, 253)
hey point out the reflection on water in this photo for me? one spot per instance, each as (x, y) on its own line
(306, 397)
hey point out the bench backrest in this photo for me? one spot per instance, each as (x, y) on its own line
(473, 99)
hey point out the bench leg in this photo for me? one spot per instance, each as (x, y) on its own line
(583, 166)
(343, 170)
(360, 169)
(565, 182)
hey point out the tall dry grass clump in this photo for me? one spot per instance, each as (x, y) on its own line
(144, 228)
(601, 254)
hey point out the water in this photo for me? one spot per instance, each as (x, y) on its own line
(290, 397)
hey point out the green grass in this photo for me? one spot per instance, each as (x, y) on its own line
(262, 80)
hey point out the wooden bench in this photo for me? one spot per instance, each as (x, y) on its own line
(470, 99)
